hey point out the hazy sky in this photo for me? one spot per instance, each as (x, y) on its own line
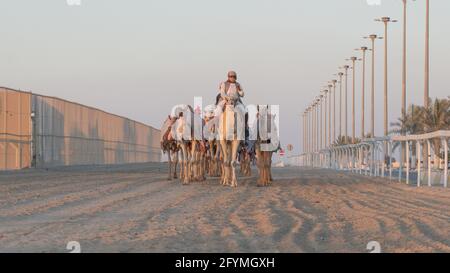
(138, 58)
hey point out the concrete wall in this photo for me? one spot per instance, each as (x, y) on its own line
(63, 133)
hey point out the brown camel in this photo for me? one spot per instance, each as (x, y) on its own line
(170, 146)
(267, 143)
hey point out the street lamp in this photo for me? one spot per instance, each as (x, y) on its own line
(404, 75)
(330, 92)
(334, 108)
(318, 131)
(363, 49)
(310, 137)
(385, 21)
(373, 37)
(404, 78)
(353, 60)
(325, 102)
(321, 122)
(427, 56)
(313, 125)
(346, 68)
(340, 74)
(305, 131)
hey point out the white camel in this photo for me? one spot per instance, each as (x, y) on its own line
(189, 139)
(231, 133)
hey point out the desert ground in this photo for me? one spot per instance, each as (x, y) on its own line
(133, 208)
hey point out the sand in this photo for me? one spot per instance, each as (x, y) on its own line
(133, 208)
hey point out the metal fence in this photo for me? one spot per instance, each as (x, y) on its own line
(15, 129)
(426, 158)
(46, 131)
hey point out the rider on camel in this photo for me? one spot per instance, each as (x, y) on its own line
(230, 91)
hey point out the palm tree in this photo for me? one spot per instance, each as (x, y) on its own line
(412, 123)
(436, 117)
(342, 140)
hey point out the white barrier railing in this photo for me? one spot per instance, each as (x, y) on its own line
(374, 157)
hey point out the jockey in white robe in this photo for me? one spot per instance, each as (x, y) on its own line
(231, 90)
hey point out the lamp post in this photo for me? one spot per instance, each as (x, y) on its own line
(372, 38)
(340, 74)
(314, 131)
(363, 49)
(404, 75)
(313, 120)
(334, 109)
(305, 131)
(313, 125)
(330, 92)
(386, 21)
(321, 133)
(325, 120)
(310, 138)
(347, 67)
(426, 92)
(318, 131)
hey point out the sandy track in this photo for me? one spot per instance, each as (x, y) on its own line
(134, 209)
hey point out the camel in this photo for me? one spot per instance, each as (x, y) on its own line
(247, 151)
(213, 145)
(193, 150)
(267, 143)
(245, 160)
(230, 140)
(170, 146)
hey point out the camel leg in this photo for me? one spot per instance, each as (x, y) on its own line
(217, 167)
(260, 165)
(224, 178)
(248, 171)
(203, 166)
(180, 158)
(266, 169)
(175, 165)
(185, 164)
(270, 167)
(234, 153)
(263, 177)
(170, 166)
(200, 165)
(192, 171)
(195, 173)
(228, 170)
(188, 165)
(210, 159)
(247, 168)
(241, 165)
